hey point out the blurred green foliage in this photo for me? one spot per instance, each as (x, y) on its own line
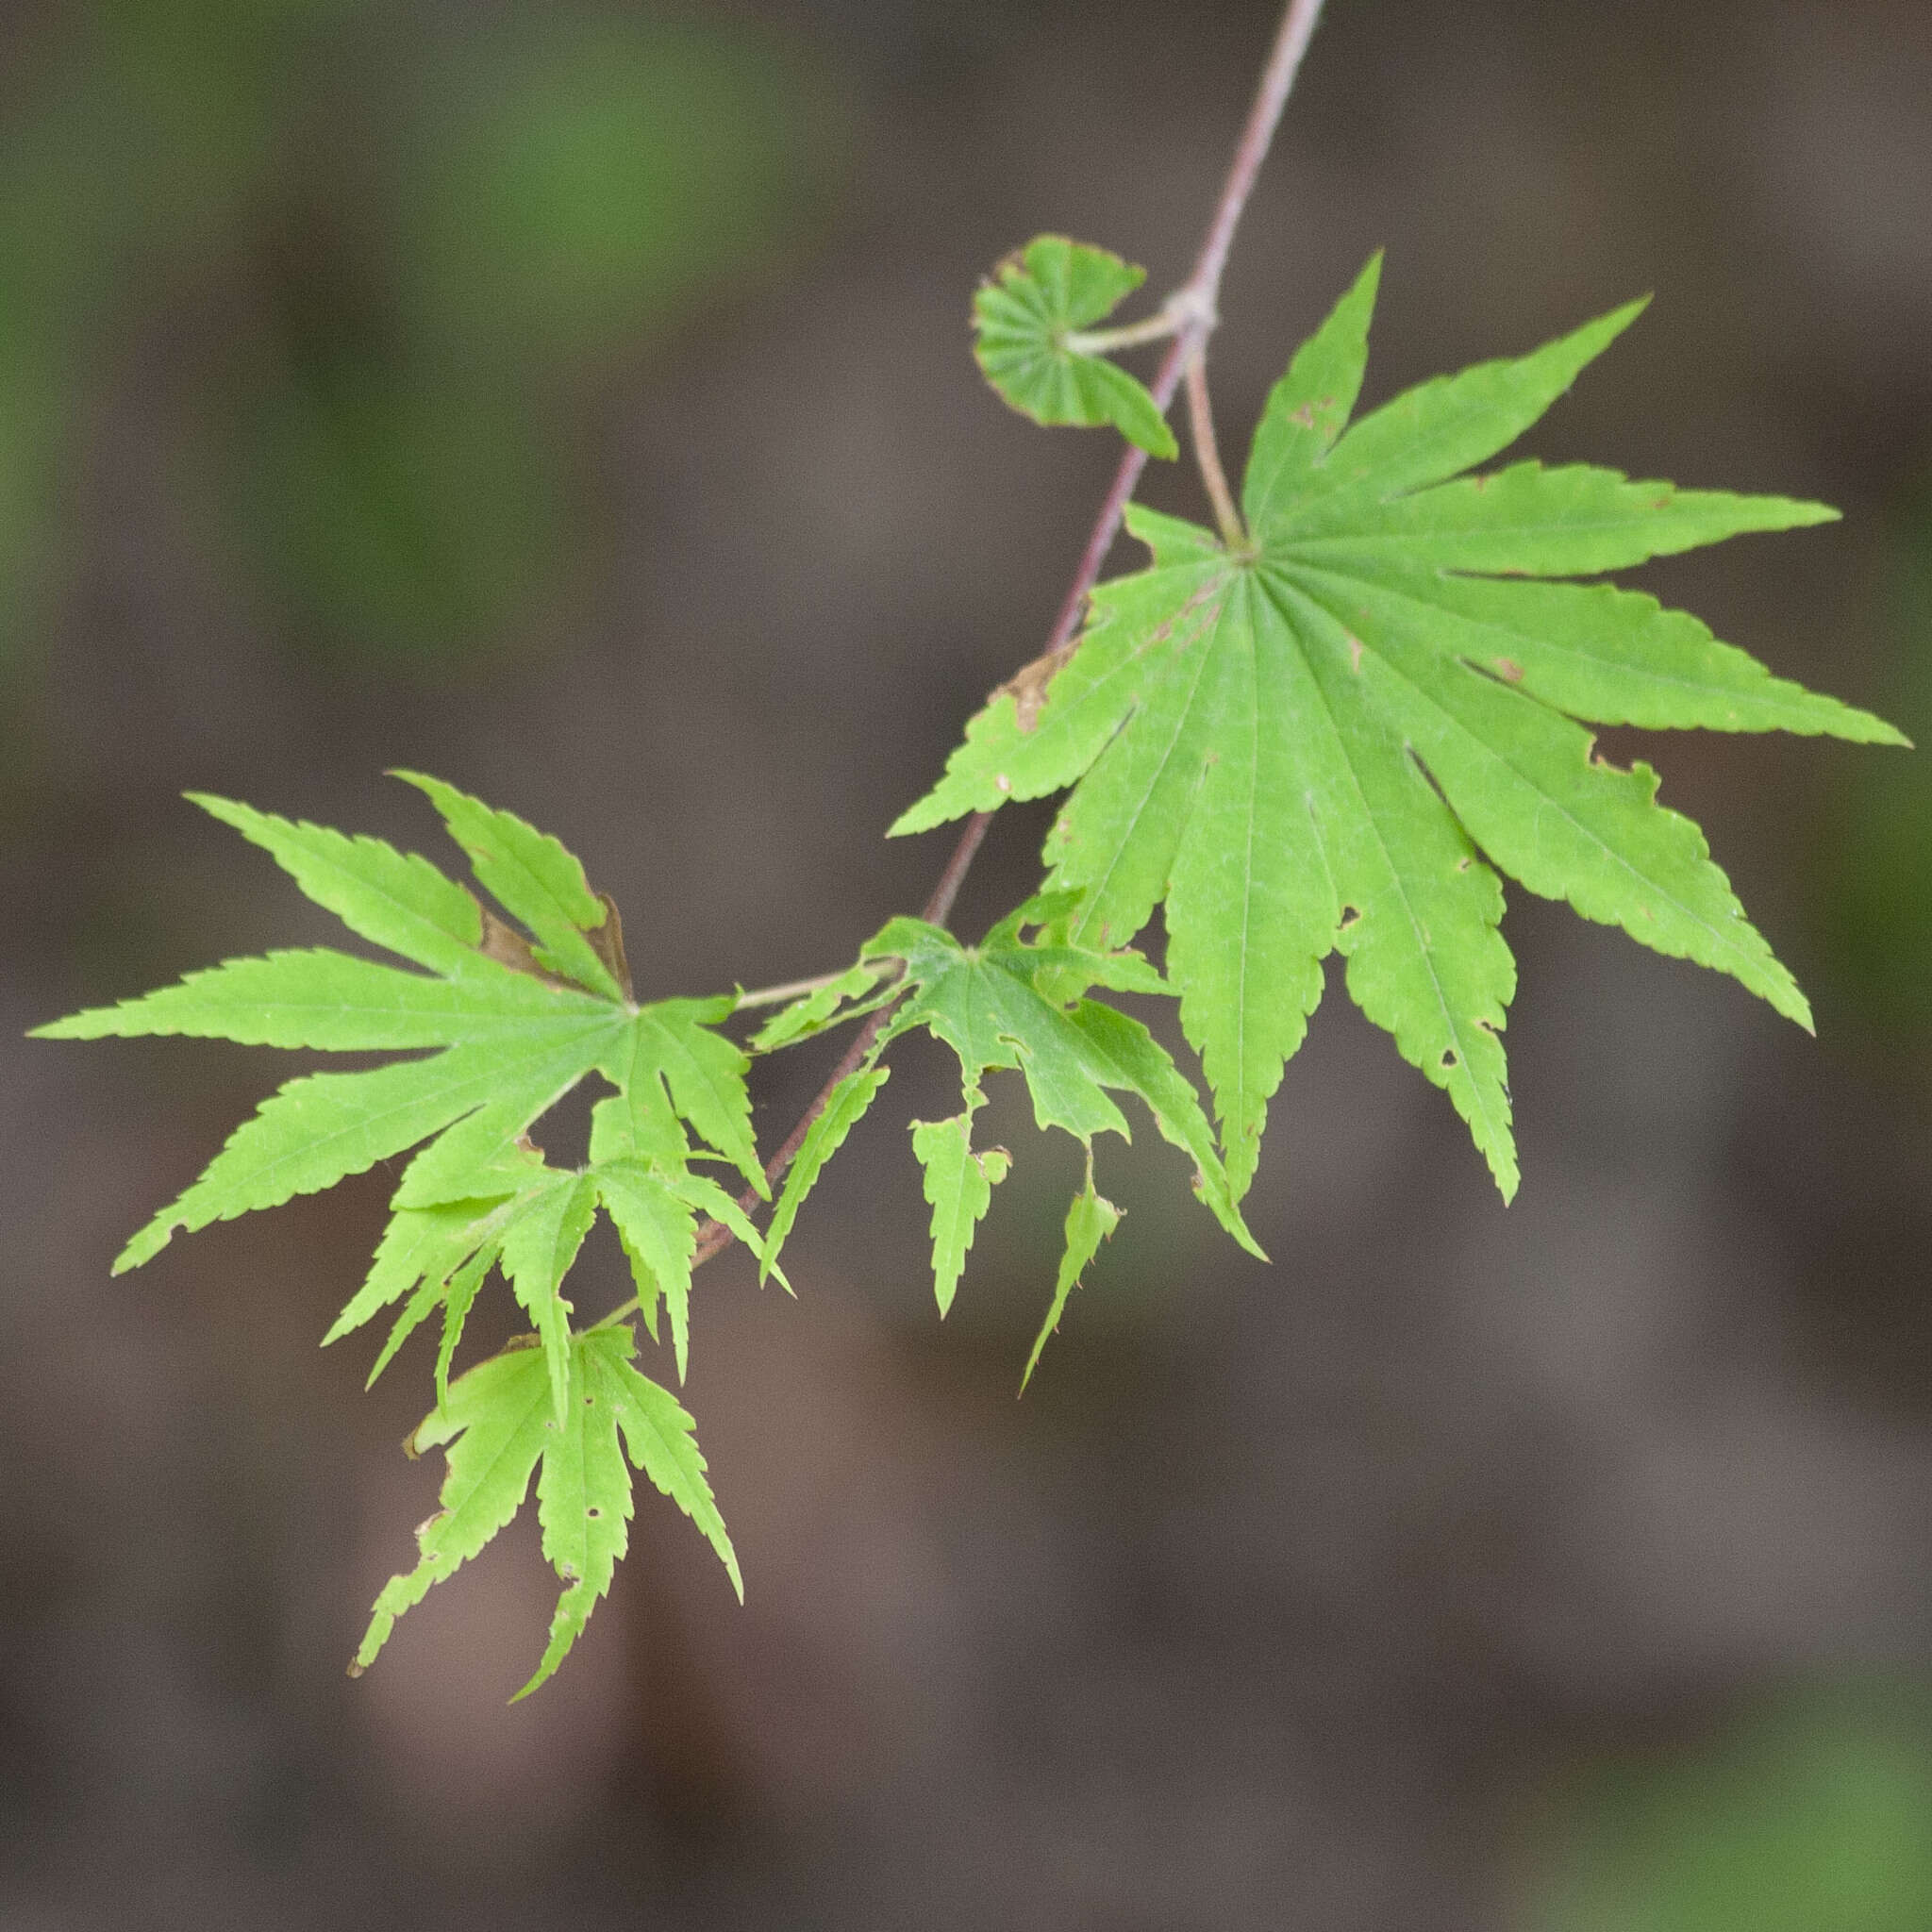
(394, 249)
(1817, 1817)
(566, 191)
(1872, 872)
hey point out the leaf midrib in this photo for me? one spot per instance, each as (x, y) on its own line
(1466, 1063)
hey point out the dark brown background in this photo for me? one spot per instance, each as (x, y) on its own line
(1334, 1593)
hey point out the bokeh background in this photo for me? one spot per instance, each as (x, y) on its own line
(575, 401)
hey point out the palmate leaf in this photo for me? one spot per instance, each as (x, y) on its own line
(518, 1022)
(1010, 1003)
(1027, 320)
(497, 1425)
(1326, 739)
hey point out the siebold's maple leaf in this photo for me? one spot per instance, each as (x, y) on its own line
(1326, 737)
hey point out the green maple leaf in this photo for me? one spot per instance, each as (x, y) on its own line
(1008, 1003)
(518, 1022)
(1028, 320)
(1326, 737)
(1091, 1220)
(497, 1425)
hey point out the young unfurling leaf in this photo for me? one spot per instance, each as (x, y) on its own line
(1027, 320)
(1017, 1004)
(1326, 737)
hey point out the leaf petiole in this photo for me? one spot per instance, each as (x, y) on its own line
(1207, 456)
(1172, 317)
(790, 989)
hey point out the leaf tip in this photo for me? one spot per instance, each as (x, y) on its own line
(141, 1249)
(921, 817)
(1156, 437)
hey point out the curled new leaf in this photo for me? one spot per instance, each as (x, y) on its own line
(1027, 320)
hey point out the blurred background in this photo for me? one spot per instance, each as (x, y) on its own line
(575, 401)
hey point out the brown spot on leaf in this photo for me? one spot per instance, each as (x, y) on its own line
(607, 941)
(507, 946)
(1354, 655)
(1027, 685)
(1510, 668)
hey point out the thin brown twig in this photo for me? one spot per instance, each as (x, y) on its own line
(1194, 303)
(1208, 454)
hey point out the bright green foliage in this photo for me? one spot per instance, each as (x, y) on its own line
(539, 882)
(1015, 1004)
(514, 1037)
(1315, 740)
(1091, 1220)
(842, 995)
(958, 1189)
(497, 1424)
(517, 1019)
(1329, 730)
(1027, 320)
(655, 1209)
(844, 1108)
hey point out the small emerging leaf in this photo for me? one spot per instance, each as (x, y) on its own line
(1023, 319)
(1003, 1004)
